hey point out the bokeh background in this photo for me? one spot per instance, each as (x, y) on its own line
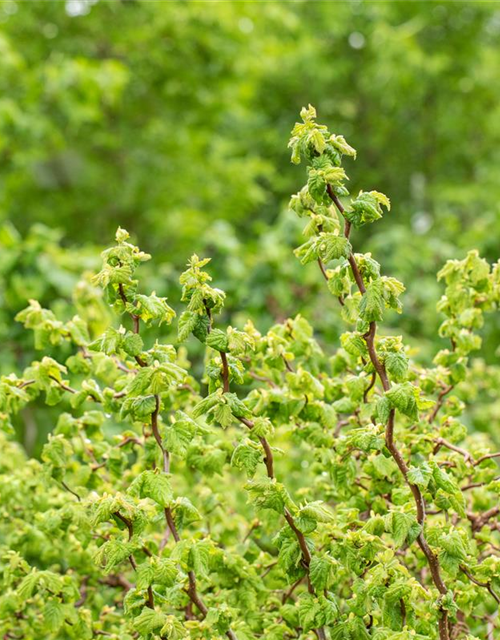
(171, 119)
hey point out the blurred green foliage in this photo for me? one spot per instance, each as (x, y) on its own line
(168, 118)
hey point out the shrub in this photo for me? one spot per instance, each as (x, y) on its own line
(291, 491)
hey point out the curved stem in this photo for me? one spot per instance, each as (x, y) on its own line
(130, 527)
(440, 401)
(225, 372)
(269, 462)
(486, 585)
(192, 589)
(369, 337)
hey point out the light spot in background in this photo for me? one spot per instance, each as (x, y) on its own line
(50, 30)
(245, 25)
(356, 6)
(75, 8)
(440, 11)
(493, 25)
(421, 222)
(357, 40)
(466, 15)
(418, 184)
(10, 8)
(304, 464)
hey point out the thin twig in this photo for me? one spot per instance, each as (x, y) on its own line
(440, 402)
(486, 585)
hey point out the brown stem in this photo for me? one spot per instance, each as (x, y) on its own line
(63, 386)
(441, 442)
(208, 311)
(255, 525)
(377, 365)
(130, 527)
(135, 321)
(268, 459)
(71, 490)
(171, 524)
(129, 439)
(440, 402)
(356, 273)
(403, 611)
(369, 337)
(340, 207)
(117, 580)
(322, 269)
(478, 521)
(289, 592)
(306, 555)
(83, 592)
(193, 594)
(486, 585)
(320, 633)
(134, 316)
(268, 569)
(488, 456)
(192, 590)
(25, 383)
(157, 436)
(270, 382)
(475, 485)
(369, 387)
(225, 372)
(269, 462)
(325, 276)
(127, 522)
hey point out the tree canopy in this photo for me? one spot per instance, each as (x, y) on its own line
(170, 117)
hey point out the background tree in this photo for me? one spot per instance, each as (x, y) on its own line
(168, 118)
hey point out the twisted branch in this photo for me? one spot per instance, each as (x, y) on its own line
(369, 337)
